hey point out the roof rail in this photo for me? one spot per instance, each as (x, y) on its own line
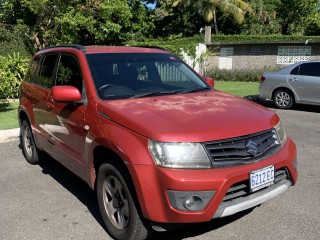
(77, 46)
(155, 47)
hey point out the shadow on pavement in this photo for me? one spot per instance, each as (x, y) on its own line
(196, 229)
(86, 195)
(296, 107)
(5, 107)
(73, 184)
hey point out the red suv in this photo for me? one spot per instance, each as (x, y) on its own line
(151, 136)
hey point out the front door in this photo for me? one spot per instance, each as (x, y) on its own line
(66, 128)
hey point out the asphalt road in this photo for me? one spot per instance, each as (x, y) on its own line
(48, 202)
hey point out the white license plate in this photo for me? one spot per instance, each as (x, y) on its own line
(261, 178)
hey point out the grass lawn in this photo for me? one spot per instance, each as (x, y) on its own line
(240, 89)
(9, 115)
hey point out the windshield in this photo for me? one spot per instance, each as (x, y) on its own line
(127, 75)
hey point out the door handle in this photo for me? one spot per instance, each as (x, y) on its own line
(293, 79)
(49, 106)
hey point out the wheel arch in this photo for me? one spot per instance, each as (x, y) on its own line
(23, 116)
(103, 154)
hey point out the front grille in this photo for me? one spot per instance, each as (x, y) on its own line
(242, 150)
(242, 189)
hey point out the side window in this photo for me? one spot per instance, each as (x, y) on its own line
(69, 72)
(45, 77)
(310, 69)
(32, 71)
(295, 71)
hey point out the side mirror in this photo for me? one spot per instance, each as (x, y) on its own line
(65, 94)
(210, 81)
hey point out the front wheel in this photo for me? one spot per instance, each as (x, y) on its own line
(283, 99)
(29, 148)
(117, 206)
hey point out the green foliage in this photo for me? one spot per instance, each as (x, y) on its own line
(183, 21)
(235, 8)
(51, 22)
(12, 70)
(243, 75)
(293, 15)
(13, 41)
(260, 38)
(172, 44)
(313, 25)
(264, 18)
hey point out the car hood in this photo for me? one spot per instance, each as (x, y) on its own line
(193, 117)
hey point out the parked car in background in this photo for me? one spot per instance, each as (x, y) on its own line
(297, 83)
(151, 137)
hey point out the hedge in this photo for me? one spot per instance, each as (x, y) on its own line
(241, 75)
(260, 38)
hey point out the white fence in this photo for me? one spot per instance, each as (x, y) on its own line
(197, 63)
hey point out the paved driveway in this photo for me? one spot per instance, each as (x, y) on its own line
(47, 202)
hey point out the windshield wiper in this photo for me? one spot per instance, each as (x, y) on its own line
(155, 93)
(197, 89)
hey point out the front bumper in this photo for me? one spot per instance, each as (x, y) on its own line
(251, 201)
(153, 183)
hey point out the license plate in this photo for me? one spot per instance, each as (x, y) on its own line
(261, 178)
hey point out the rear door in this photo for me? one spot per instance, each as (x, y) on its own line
(305, 80)
(42, 83)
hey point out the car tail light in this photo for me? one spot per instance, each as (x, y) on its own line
(262, 78)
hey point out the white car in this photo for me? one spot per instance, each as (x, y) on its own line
(297, 83)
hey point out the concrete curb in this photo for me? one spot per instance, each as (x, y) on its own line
(9, 135)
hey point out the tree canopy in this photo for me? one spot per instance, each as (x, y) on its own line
(51, 22)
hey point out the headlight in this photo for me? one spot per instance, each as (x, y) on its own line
(179, 155)
(281, 134)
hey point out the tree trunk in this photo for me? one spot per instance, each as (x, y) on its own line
(215, 22)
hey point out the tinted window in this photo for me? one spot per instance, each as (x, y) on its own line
(295, 71)
(34, 67)
(45, 77)
(123, 75)
(69, 72)
(310, 69)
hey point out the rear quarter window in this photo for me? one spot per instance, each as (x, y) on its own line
(310, 69)
(33, 68)
(47, 71)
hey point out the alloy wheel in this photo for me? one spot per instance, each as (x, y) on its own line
(28, 141)
(116, 202)
(283, 99)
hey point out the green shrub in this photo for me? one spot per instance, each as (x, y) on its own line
(12, 70)
(14, 41)
(241, 75)
(260, 38)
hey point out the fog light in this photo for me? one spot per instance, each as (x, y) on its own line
(189, 203)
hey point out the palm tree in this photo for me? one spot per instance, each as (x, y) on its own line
(236, 8)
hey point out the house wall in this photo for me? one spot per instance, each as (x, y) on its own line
(245, 58)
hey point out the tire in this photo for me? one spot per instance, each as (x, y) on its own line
(29, 148)
(117, 204)
(283, 99)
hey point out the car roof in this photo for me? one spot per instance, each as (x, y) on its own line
(122, 49)
(107, 49)
(288, 68)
